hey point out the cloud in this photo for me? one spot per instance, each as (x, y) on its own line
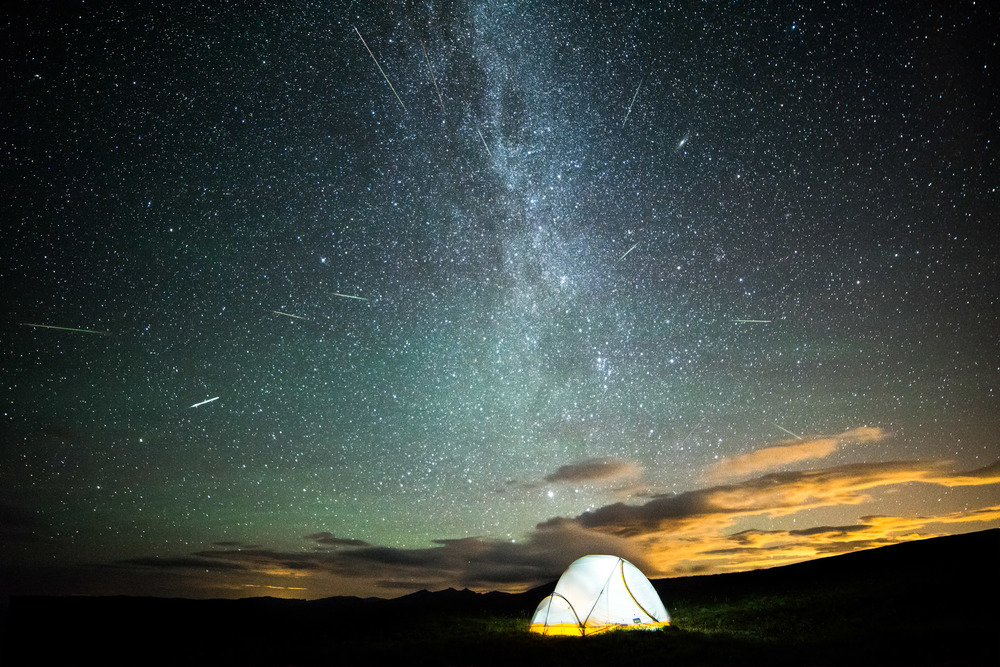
(668, 535)
(328, 540)
(595, 470)
(235, 545)
(691, 532)
(771, 458)
(194, 562)
(774, 494)
(757, 548)
(467, 562)
(989, 474)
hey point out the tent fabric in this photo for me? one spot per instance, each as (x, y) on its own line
(598, 593)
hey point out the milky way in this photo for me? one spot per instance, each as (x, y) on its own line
(708, 284)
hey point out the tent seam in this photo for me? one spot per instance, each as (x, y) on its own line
(629, 591)
(603, 589)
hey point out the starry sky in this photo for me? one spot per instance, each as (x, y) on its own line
(318, 298)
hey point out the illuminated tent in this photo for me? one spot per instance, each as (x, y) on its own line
(596, 594)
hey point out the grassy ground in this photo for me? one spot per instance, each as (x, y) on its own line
(777, 629)
(919, 608)
(843, 627)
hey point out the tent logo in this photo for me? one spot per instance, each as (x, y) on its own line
(596, 594)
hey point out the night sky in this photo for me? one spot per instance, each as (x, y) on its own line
(320, 298)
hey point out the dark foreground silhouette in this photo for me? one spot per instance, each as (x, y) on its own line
(930, 602)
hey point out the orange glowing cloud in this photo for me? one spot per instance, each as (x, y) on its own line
(755, 548)
(775, 494)
(690, 533)
(779, 456)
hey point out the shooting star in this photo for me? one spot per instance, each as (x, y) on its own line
(691, 432)
(349, 296)
(49, 326)
(787, 431)
(433, 78)
(380, 70)
(753, 321)
(204, 402)
(484, 141)
(298, 317)
(632, 102)
(627, 252)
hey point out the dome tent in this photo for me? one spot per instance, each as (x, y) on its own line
(596, 594)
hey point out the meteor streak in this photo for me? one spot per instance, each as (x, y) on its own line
(632, 102)
(298, 317)
(787, 431)
(204, 402)
(427, 60)
(380, 70)
(484, 141)
(49, 326)
(627, 252)
(753, 321)
(349, 296)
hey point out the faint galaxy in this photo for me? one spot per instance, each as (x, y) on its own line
(713, 285)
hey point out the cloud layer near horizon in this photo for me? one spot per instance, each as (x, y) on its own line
(668, 535)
